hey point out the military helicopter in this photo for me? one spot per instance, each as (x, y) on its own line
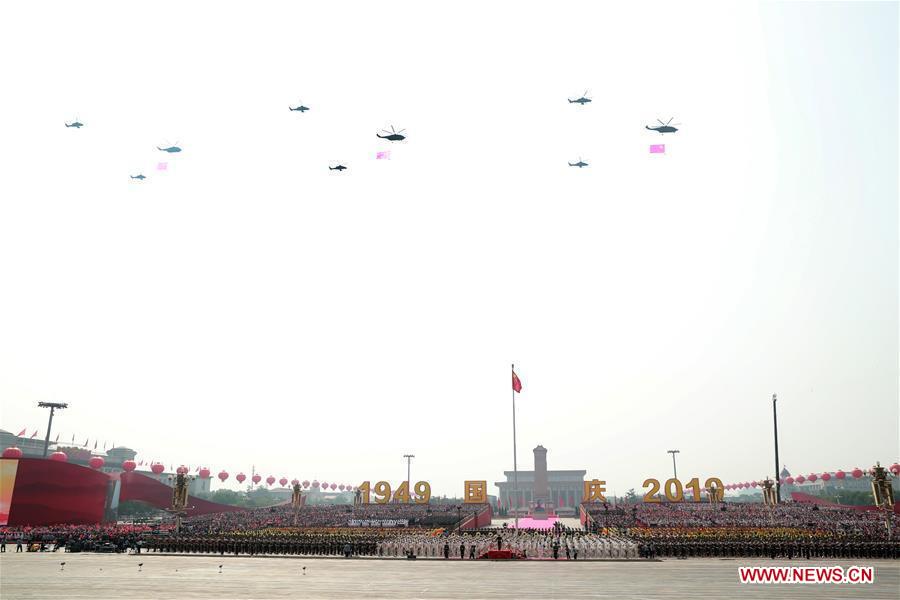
(301, 108)
(664, 127)
(76, 125)
(582, 101)
(338, 168)
(170, 149)
(579, 164)
(140, 177)
(392, 135)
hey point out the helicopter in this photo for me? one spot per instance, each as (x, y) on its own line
(582, 101)
(76, 125)
(393, 136)
(579, 164)
(338, 168)
(170, 149)
(301, 108)
(140, 177)
(664, 127)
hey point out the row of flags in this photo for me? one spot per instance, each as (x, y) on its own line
(56, 441)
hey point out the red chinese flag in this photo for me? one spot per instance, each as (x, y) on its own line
(34, 434)
(517, 385)
(21, 433)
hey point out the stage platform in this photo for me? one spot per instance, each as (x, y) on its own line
(523, 523)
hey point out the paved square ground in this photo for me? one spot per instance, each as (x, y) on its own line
(113, 576)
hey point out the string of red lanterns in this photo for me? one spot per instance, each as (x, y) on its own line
(856, 473)
(157, 468)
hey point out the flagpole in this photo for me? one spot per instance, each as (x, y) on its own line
(515, 464)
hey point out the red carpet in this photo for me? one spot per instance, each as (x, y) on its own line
(501, 555)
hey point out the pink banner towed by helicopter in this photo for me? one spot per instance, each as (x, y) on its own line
(657, 148)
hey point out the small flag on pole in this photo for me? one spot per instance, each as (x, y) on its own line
(95, 444)
(86, 440)
(21, 433)
(34, 434)
(57, 438)
(657, 148)
(73, 438)
(517, 384)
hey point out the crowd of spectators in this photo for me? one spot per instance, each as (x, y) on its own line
(806, 519)
(339, 515)
(79, 538)
(428, 531)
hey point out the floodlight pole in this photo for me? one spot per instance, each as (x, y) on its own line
(52, 406)
(777, 471)
(408, 458)
(673, 453)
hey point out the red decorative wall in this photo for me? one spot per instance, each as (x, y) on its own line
(136, 486)
(483, 519)
(47, 492)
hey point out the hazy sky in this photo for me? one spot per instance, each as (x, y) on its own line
(248, 306)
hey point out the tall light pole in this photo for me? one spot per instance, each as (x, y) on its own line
(408, 458)
(52, 406)
(673, 453)
(777, 469)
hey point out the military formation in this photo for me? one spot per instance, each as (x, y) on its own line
(338, 544)
(795, 549)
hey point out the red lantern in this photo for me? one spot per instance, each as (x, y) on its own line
(282, 482)
(826, 476)
(789, 481)
(295, 481)
(223, 475)
(128, 466)
(157, 468)
(59, 456)
(315, 484)
(182, 470)
(12, 452)
(895, 468)
(857, 473)
(240, 477)
(812, 477)
(753, 484)
(96, 462)
(256, 478)
(341, 487)
(204, 473)
(840, 474)
(305, 483)
(333, 486)
(324, 485)
(270, 480)
(800, 479)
